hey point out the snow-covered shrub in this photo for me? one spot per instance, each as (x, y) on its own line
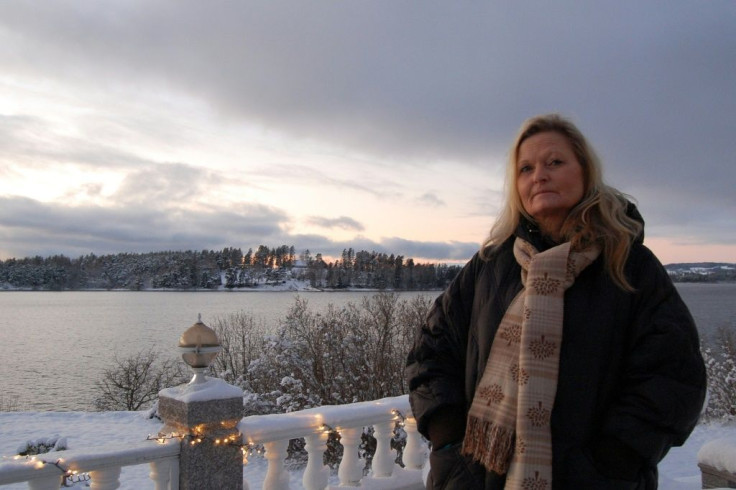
(242, 340)
(720, 363)
(277, 380)
(42, 445)
(342, 355)
(389, 326)
(152, 412)
(369, 442)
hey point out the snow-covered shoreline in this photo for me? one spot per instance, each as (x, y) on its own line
(287, 287)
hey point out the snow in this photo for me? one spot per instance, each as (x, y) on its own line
(210, 389)
(678, 471)
(270, 427)
(720, 454)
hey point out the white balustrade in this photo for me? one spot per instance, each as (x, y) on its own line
(415, 451)
(48, 483)
(349, 421)
(383, 460)
(316, 473)
(103, 464)
(350, 471)
(107, 479)
(277, 477)
(165, 474)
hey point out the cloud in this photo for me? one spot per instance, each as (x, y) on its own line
(445, 85)
(369, 182)
(31, 227)
(359, 75)
(425, 251)
(431, 199)
(164, 185)
(32, 142)
(343, 223)
(454, 251)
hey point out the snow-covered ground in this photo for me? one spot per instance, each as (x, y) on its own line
(678, 471)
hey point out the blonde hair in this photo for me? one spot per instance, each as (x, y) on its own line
(599, 218)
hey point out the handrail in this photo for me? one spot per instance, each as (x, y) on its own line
(96, 458)
(258, 429)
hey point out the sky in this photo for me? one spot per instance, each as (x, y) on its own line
(381, 125)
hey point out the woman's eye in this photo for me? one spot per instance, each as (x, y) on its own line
(524, 169)
(555, 162)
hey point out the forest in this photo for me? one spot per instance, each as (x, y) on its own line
(228, 268)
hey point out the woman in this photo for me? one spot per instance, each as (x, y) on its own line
(562, 356)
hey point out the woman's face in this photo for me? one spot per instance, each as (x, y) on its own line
(549, 179)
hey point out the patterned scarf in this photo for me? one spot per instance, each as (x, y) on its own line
(508, 427)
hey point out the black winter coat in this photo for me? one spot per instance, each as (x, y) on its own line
(631, 379)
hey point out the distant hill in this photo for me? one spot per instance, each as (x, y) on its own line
(702, 272)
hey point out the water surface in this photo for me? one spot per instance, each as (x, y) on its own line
(55, 345)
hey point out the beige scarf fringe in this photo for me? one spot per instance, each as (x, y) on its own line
(493, 444)
(508, 427)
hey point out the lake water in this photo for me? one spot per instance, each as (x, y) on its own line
(54, 345)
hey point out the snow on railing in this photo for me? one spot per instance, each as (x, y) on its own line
(102, 464)
(717, 462)
(275, 431)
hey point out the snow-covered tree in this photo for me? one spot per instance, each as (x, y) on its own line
(720, 363)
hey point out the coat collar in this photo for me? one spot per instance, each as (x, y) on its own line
(529, 230)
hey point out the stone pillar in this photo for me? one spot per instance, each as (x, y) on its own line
(207, 414)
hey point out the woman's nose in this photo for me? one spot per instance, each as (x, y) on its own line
(540, 174)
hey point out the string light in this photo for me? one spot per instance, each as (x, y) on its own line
(402, 418)
(70, 476)
(197, 437)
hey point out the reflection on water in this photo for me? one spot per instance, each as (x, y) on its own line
(54, 345)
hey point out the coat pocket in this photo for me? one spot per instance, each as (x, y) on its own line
(450, 470)
(582, 473)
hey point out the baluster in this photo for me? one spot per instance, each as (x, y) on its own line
(174, 472)
(351, 468)
(107, 479)
(415, 451)
(316, 473)
(383, 459)
(48, 483)
(276, 477)
(161, 473)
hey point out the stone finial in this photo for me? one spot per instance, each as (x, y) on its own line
(199, 346)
